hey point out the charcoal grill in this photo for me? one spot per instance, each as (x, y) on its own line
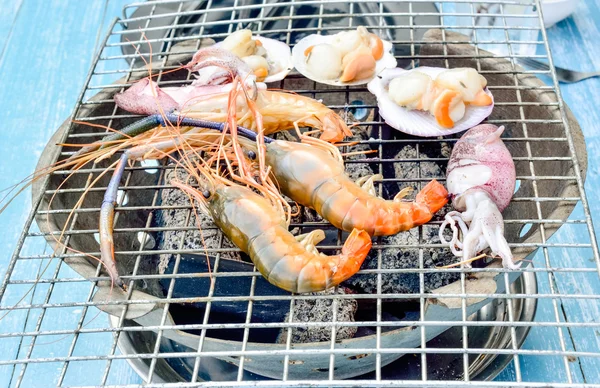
(455, 334)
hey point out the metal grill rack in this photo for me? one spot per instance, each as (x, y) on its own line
(60, 311)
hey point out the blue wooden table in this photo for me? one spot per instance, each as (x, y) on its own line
(46, 49)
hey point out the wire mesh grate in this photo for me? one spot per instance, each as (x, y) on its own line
(398, 324)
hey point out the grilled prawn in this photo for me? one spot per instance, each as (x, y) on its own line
(312, 174)
(257, 224)
(280, 110)
(254, 225)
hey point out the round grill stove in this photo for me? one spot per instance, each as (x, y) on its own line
(404, 317)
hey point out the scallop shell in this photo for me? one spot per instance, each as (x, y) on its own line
(421, 123)
(278, 53)
(387, 61)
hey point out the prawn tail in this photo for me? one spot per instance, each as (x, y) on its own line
(355, 250)
(323, 272)
(434, 196)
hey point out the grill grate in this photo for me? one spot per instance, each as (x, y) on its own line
(62, 325)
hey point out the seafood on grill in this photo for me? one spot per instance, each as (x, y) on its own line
(145, 144)
(290, 262)
(256, 223)
(430, 101)
(346, 58)
(280, 110)
(312, 174)
(269, 60)
(481, 179)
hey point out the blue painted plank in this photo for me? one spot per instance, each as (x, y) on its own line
(583, 27)
(573, 43)
(10, 9)
(46, 67)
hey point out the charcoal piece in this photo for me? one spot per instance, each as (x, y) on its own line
(403, 258)
(311, 215)
(415, 170)
(204, 235)
(358, 170)
(353, 169)
(320, 310)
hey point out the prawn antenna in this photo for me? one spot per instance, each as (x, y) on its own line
(150, 122)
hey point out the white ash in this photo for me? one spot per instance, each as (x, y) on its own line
(320, 310)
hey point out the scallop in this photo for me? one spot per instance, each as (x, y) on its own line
(417, 122)
(345, 42)
(465, 80)
(240, 43)
(325, 60)
(277, 54)
(407, 90)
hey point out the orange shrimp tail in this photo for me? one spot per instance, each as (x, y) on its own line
(354, 252)
(434, 195)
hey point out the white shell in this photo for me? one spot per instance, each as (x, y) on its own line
(387, 61)
(421, 123)
(278, 53)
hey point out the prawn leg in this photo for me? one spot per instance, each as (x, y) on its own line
(403, 193)
(310, 240)
(367, 183)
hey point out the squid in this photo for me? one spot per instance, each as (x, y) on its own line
(481, 181)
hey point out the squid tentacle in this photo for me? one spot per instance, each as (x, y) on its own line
(485, 229)
(451, 219)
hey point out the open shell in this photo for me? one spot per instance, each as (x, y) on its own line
(299, 60)
(421, 123)
(278, 55)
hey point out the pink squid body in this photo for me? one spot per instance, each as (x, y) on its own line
(481, 178)
(146, 98)
(217, 69)
(481, 161)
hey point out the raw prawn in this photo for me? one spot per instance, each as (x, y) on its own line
(280, 110)
(251, 222)
(481, 180)
(312, 174)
